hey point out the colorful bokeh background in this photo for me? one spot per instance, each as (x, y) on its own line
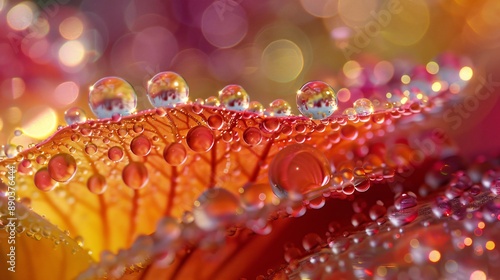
(51, 51)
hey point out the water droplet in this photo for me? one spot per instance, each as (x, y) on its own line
(167, 89)
(350, 113)
(212, 101)
(140, 145)
(167, 230)
(349, 132)
(363, 107)
(311, 241)
(97, 184)
(441, 206)
(10, 150)
(215, 122)
(252, 136)
(62, 167)
(90, 148)
(43, 180)
(298, 169)
(112, 95)
(75, 115)
(255, 196)
(403, 216)
(175, 154)
(405, 201)
(215, 208)
(279, 108)
(234, 97)
(115, 153)
(316, 100)
(135, 175)
(18, 132)
(255, 107)
(200, 139)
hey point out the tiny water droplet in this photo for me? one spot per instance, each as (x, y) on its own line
(234, 97)
(363, 107)
(316, 100)
(112, 95)
(167, 89)
(350, 113)
(212, 101)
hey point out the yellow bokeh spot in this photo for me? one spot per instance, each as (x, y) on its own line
(39, 122)
(71, 28)
(490, 245)
(436, 86)
(468, 241)
(434, 256)
(414, 243)
(432, 67)
(20, 16)
(282, 61)
(405, 79)
(465, 73)
(478, 275)
(72, 53)
(381, 271)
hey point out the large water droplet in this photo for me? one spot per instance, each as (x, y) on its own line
(200, 139)
(75, 115)
(363, 107)
(111, 96)
(405, 201)
(62, 167)
(316, 100)
(43, 180)
(135, 175)
(214, 208)
(97, 184)
(279, 108)
(298, 169)
(234, 97)
(140, 145)
(167, 89)
(175, 154)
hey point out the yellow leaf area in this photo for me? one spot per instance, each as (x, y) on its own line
(142, 179)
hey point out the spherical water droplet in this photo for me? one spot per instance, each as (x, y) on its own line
(200, 139)
(350, 113)
(311, 241)
(403, 216)
(62, 167)
(175, 154)
(252, 136)
(234, 97)
(215, 122)
(167, 230)
(135, 175)
(140, 145)
(75, 115)
(298, 169)
(43, 180)
(167, 89)
(316, 100)
(214, 208)
(255, 196)
(363, 107)
(112, 95)
(279, 108)
(18, 132)
(212, 101)
(10, 150)
(90, 148)
(97, 184)
(405, 201)
(115, 153)
(255, 107)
